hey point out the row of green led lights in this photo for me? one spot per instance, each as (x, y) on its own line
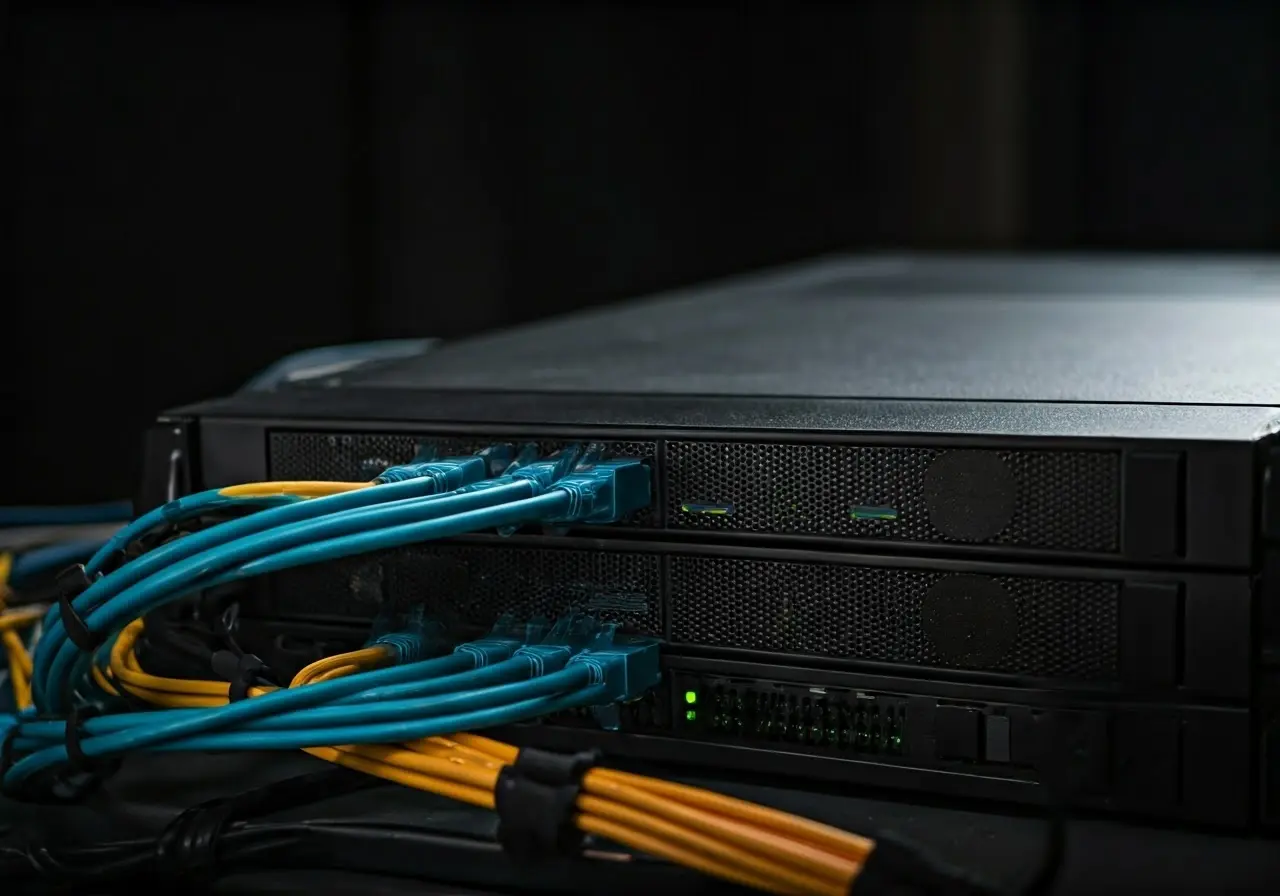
(814, 722)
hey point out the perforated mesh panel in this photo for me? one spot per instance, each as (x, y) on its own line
(359, 457)
(1057, 500)
(1060, 629)
(1044, 628)
(343, 458)
(1064, 501)
(469, 587)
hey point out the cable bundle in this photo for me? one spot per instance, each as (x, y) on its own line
(394, 708)
(238, 834)
(13, 621)
(737, 841)
(498, 680)
(419, 502)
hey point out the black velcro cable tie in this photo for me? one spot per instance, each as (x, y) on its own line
(72, 582)
(187, 850)
(75, 753)
(895, 868)
(7, 753)
(242, 670)
(535, 798)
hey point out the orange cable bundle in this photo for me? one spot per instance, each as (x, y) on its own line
(732, 839)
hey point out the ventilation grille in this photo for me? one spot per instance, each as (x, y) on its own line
(1041, 628)
(469, 587)
(1065, 501)
(1055, 499)
(358, 458)
(1047, 628)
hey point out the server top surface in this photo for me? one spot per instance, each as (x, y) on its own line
(1001, 329)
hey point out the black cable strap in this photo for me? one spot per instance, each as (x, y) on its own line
(535, 798)
(187, 850)
(7, 757)
(71, 583)
(241, 670)
(60, 785)
(75, 753)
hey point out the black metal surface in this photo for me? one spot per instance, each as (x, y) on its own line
(1004, 329)
(1060, 500)
(1044, 628)
(1057, 624)
(315, 408)
(468, 587)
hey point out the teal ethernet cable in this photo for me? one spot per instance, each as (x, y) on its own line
(184, 722)
(109, 512)
(619, 671)
(500, 659)
(434, 477)
(438, 475)
(388, 732)
(604, 492)
(597, 668)
(417, 481)
(337, 722)
(37, 563)
(193, 572)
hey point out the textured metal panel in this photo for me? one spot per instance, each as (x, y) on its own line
(1046, 628)
(1043, 628)
(468, 587)
(1063, 500)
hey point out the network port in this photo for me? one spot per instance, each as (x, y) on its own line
(813, 718)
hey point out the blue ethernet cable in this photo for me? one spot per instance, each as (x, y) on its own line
(38, 562)
(434, 478)
(194, 572)
(109, 512)
(617, 672)
(334, 722)
(178, 510)
(156, 726)
(542, 667)
(389, 732)
(602, 493)
(417, 480)
(479, 663)
(606, 493)
(141, 731)
(192, 506)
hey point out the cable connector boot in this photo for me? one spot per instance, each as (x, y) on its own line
(418, 639)
(498, 458)
(568, 637)
(546, 473)
(505, 638)
(628, 667)
(609, 491)
(447, 473)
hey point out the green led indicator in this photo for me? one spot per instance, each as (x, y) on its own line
(707, 509)
(873, 513)
(691, 697)
(691, 715)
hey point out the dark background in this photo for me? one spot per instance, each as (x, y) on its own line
(194, 189)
